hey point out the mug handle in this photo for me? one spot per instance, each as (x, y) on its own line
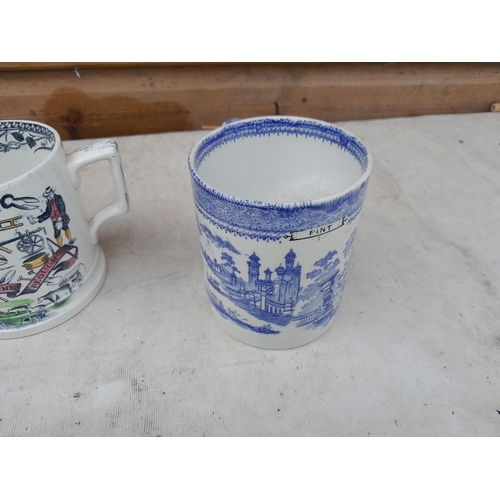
(102, 150)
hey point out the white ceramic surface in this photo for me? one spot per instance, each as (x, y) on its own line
(51, 266)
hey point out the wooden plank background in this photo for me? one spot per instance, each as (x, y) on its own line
(86, 100)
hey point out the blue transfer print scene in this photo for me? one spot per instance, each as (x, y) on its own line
(277, 294)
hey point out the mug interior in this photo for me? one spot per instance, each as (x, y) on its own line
(23, 146)
(279, 159)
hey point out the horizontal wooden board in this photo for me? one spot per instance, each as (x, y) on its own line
(33, 66)
(84, 100)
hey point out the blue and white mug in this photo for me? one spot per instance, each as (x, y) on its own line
(277, 202)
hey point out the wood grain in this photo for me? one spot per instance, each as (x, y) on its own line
(85, 100)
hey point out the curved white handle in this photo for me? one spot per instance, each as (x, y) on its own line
(102, 150)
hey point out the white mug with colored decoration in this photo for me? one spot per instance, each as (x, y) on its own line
(51, 265)
(277, 202)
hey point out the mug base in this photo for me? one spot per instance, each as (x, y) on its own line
(79, 300)
(284, 340)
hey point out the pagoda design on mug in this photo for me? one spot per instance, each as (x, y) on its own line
(279, 297)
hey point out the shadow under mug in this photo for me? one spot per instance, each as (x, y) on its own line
(51, 265)
(277, 203)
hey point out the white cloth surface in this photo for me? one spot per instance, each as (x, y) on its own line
(413, 351)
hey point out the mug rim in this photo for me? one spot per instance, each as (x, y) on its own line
(42, 163)
(282, 205)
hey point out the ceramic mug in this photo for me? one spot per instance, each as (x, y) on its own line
(277, 203)
(51, 265)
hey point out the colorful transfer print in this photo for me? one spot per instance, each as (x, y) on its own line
(39, 271)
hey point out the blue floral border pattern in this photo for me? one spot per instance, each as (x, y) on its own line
(270, 126)
(271, 221)
(15, 135)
